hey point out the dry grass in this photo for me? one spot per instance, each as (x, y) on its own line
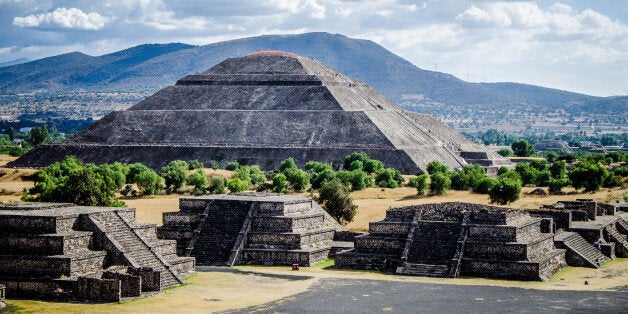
(373, 202)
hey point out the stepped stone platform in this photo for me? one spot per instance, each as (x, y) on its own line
(458, 239)
(70, 252)
(261, 109)
(597, 224)
(250, 228)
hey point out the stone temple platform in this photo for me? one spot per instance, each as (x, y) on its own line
(70, 252)
(251, 228)
(588, 230)
(458, 239)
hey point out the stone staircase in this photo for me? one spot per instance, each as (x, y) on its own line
(428, 270)
(217, 237)
(134, 249)
(619, 239)
(254, 228)
(579, 251)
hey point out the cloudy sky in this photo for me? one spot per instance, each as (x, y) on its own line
(578, 45)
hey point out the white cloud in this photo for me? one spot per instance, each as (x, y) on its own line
(63, 18)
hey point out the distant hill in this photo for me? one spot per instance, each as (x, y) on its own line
(12, 62)
(148, 68)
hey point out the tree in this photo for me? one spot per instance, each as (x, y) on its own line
(236, 185)
(388, 178)
(435, 166)
(319, 172)
(217, 185)
(522, 148)
(588, 175)
(287, 164)
(485, 185)
(199, 180)
(280, 183)
(257, 176)
(468, 177)
(299, 179)
(233, 165)
(556, 185)
(149, 182)
(528, 174)
(421, 184)
(505, 152)
(505, 191)
(38, 135)
(174, 175)
(439, 183)
(558, 169)
(195, 164)
(334, 198)
(72, 181)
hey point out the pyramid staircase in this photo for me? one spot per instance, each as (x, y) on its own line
(253, 228)
(579, 251)
(454, 239)
(136, 250)
(64, 251)
(620, 240)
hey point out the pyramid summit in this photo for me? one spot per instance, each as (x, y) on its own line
(261, 109)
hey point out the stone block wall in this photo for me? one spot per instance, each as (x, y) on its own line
(95, 289)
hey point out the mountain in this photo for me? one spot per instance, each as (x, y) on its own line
(12, 62)
(148, 68)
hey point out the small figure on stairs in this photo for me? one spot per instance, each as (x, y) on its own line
(598, 263)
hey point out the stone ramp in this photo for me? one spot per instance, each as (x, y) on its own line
(579, 251)
(135, 250)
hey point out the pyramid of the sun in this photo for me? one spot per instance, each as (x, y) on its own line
(264, 108)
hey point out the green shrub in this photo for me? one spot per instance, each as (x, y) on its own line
(439, 183)
(217, 185)
(334, 198)
(505, 191)
(485, 185)
(421, 184)
(232, 166)
(280, 183)
(236, 185)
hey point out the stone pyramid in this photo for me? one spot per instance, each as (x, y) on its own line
(263, 108)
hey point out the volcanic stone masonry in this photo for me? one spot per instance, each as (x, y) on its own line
(70, 252)
(454, 239)
(261, 109)
(251, 228)
(583, 224)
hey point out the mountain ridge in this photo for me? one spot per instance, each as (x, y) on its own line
(150, 67)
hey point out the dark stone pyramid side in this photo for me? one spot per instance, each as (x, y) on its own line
(264, 108)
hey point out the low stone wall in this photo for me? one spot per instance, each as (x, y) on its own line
(95, 289)
(562, 219)
(130, 286)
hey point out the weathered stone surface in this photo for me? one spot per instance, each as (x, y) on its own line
(264, 108)
(64, 251)
(453, 239)
(251, 228)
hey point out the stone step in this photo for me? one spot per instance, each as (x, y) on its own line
(576, 244)
(430, 270)
(619, 238)
(622, 226)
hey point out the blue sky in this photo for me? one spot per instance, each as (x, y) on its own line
(579, 46)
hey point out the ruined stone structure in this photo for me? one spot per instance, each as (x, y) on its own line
(64, 251)
(250, 228)
(582, 223)
(458, 239)
(264, 108)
